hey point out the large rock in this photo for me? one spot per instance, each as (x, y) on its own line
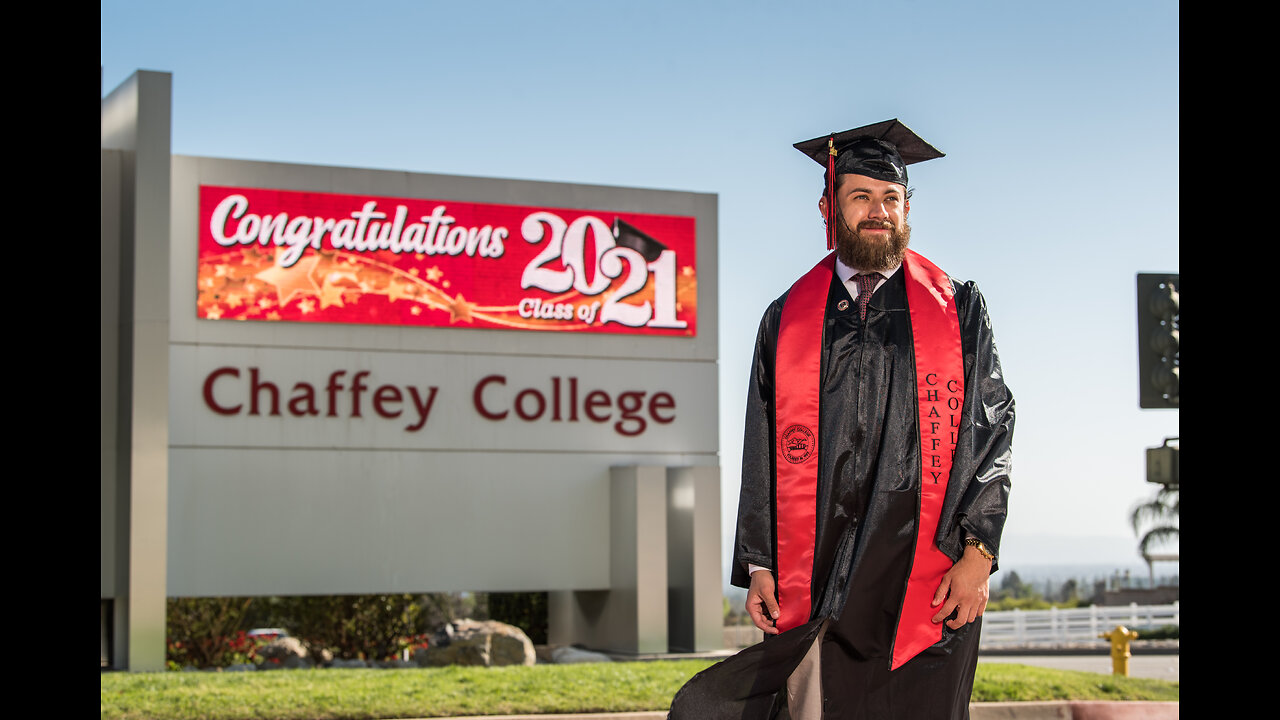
(486, 643)
(291, 653)
(283, 649)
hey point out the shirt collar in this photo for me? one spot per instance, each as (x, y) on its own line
(845, 272)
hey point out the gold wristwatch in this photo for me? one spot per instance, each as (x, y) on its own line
(982, 549)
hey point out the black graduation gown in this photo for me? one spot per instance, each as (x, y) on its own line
(868, 490)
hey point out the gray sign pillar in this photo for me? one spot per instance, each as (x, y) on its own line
(665, 593)
(631, 616)
(696, 613)
(136, 122)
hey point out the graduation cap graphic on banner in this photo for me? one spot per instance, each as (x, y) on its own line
(629, 236)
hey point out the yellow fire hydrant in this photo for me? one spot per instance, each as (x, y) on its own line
(1120, 638)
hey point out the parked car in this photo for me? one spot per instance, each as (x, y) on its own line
(267, 634)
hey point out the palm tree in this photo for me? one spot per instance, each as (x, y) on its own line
(1155, 522)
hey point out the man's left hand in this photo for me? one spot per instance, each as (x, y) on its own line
(964, 589)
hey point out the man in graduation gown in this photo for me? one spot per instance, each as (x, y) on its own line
(875, 472)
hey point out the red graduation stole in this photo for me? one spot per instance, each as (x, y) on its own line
(939, 371)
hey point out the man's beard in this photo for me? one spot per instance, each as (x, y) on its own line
(871, 254)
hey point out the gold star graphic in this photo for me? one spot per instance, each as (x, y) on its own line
(460, 309)
(434, 273)
(331, 295)
(292, 280)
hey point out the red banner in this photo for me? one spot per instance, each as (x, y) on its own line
(323, 257)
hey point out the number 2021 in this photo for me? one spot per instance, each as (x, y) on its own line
(567, 241)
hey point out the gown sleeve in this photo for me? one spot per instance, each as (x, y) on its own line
(984, 453)
(753, 543)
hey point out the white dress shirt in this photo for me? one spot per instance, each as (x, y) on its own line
(846, 273)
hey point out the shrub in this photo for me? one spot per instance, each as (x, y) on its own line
(1035, 602)
(527, 611)
(1164, 632)
(208, 632)
(212, 632)
(367, 627)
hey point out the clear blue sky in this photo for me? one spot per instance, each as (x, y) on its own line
(1059, 120)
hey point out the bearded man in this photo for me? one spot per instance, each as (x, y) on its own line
(875, 472)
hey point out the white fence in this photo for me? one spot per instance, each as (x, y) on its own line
(1015, 628)
(1070, 625)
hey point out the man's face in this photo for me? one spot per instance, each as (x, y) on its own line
(871, 223)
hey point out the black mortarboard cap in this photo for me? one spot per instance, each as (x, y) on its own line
(882, 150)
(628, 235)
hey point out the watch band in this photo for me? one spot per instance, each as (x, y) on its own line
(982, 549)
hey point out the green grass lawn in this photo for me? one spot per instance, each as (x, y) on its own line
(329, 694)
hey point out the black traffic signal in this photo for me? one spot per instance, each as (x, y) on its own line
(1158, 340)
(1162, 464)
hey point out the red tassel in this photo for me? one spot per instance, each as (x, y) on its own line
(831, 192)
